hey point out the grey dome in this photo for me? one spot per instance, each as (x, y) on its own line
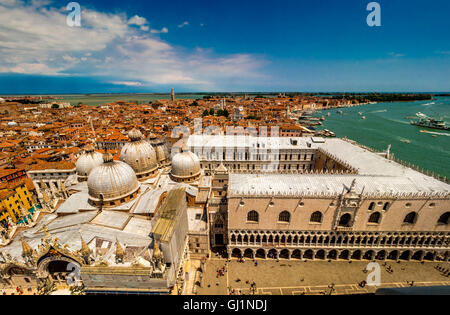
(185, 166)
(87, 162)
(112, 180)
(162, 152)
(139, 154)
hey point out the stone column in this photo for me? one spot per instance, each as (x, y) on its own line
(422, 256)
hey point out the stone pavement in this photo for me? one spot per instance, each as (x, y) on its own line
(314, 277)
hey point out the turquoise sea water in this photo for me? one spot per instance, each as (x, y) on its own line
(387, 123)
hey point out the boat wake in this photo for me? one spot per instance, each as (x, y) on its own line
(436, 133)
(428, 104)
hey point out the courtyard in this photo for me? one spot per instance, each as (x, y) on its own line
(287, 277)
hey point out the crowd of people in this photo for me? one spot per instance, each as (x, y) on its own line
(18, 291)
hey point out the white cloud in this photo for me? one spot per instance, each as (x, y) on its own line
(127, 83)
(38, 41)
(8, 3)
(183, 24)
(164, 30)
(137, 20)
(396, 55)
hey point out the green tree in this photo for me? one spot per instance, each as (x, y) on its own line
(205, 113)
(55, 106)
(226, 113)
(211, 111)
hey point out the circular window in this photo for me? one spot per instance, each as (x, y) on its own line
(408, 205)
(242, 203)
(301, 203)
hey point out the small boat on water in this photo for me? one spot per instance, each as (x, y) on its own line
(363, 117)
(432, 123)
(406, 141)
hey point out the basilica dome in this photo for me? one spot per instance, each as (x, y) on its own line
(140, 155)
(162, 152)
(185, 166)
(112, 183)
(87, 162)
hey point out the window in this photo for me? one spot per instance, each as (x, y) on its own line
(253, 216)
(284, 216)
(410, 218)
(386, 206)
(345, 220)
(444, 219)
(372, 206)
(375, 217)
(316, 217)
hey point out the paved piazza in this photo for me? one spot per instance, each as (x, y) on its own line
(313, 277)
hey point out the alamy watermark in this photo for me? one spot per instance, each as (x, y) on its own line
(73, 278)
(74, 17)
(374, 275)
(374, 17)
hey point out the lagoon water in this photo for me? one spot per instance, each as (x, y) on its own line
(387, 123)
(100, 99)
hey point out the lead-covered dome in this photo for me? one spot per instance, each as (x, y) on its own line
(140, 155)
(162, 152)
(112, 183)
(87, 162)
(185, 166)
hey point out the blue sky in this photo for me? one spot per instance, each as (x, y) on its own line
(196, 45)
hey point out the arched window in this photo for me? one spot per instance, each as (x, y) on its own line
(375, 217)
(372, 206)
(410, 218)
(345, 220)
(253, 216)
(386, 206)
(284, 216)
(444, 219)
(316, 217)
